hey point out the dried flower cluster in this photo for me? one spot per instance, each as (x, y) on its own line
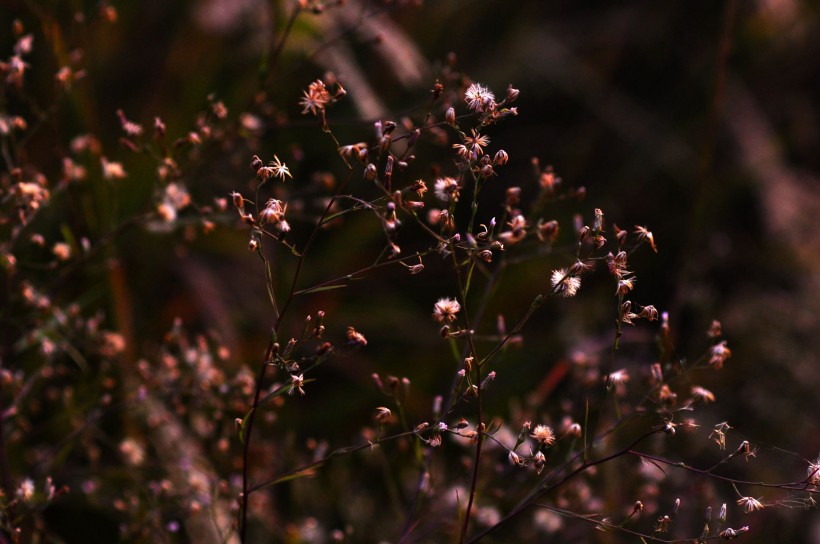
(187, 433)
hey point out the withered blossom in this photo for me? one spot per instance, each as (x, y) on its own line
(701, 394)
(564, 284)
(383, 414)
(62, 251)
(618, 377)
(645, 235)
(274, 214)
(479, 98)
(813, 472)
(446, 189)
(296, 384)
(718, 354)
(543, 434)
(112, 170)
(315, 98)
(445, 310)
(356, 338)
(750, 504)
(274, 169)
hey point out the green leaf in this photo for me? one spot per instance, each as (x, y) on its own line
(319, 289)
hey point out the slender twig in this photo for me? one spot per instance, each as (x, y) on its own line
(249, 420)
(802, 485)
(479, 415)
(335, 453)
(246, 441)
(266, 73)
(530, 500)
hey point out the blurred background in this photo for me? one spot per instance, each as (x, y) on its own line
(697, 119)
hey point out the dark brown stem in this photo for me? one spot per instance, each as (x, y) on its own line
(479, 424)
(267, 72)
(530, 501)
(802, 485)
(246, 440)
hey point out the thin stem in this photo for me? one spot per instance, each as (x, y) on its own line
(802, 485)
(341, 451)
(266, 72)
(250, 418)
(536, 495)
(479, 415)
(246, 440)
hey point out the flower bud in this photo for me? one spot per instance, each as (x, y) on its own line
(450, 117)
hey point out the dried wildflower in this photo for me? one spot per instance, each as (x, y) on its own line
(219, 109)
(479, 99)
(443, 218)
(132, 451)
(718, 354)
(627, 315)
(625, 285)
(540, 461)
(446, 190)
(26, 490)
(274, 214)
(718, 434)
(730, 533)
(357, 151)
(813, 472)
(564, 284)
(598, 220)
(112, 344)
(383, 415)
(750, 504)
(274, 169)
(745, 449)
(543, 434)
(112, 170)
(548, 231)
(445, 310)
(175, 198)
(649, 313)
(514, 459)
(419, 187)
(547, 180)
(462, 151)
(665, 394)
(644, 234)
(618, 377)
(663, 524)
(617, 264)
(356, 338)
(130, 128)
(315, 98)
(512, 94)
(296, 383)
(515, 232)
(475, 143)
(15, 70)
(490, 377)
(62, 251)
(701, 394)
